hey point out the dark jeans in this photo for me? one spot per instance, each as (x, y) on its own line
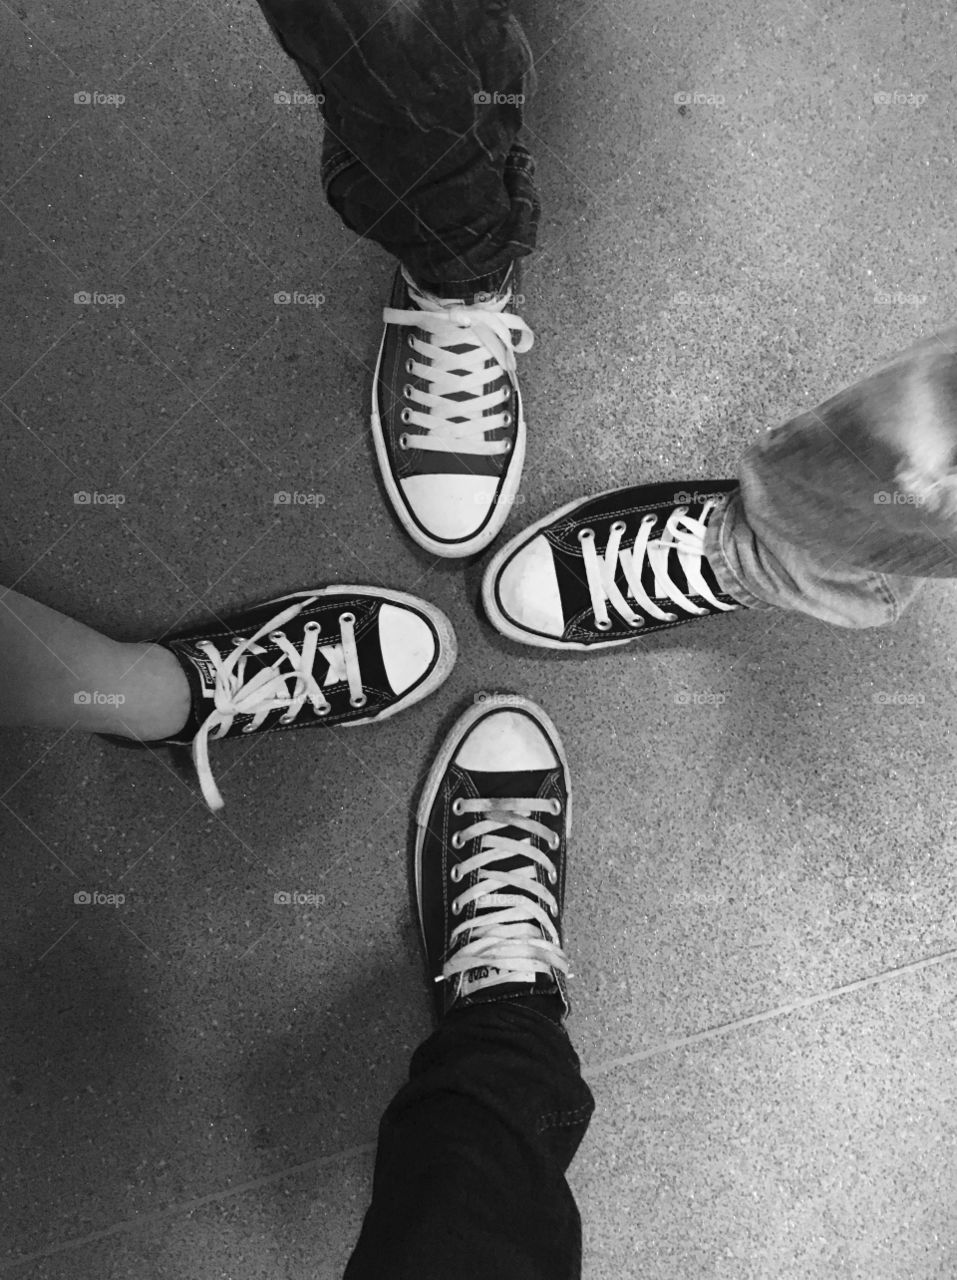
(470, 1170)
(421, 150)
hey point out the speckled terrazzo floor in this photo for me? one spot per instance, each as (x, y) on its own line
(762, 898)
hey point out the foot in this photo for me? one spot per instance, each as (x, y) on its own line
(447, 415)
(605, 570)
(493, 825)
(334, 656)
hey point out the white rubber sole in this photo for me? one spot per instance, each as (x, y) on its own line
(503, 504)
(445, 658)
(465, 723)
(511, 630)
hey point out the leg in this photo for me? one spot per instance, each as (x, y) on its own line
(423, 105)
(840, 514)
(323, 657)
(470, 1170)
(58, 673)
(842, 511)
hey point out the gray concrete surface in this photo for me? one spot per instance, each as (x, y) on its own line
(762, 899)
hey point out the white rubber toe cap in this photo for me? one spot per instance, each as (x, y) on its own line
(450, 507)
(408, 646)
(528, 593)
(505, 742)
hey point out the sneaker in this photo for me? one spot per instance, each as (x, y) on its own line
(335, 656)
(493, 826)
(447, 415)
(601, 571)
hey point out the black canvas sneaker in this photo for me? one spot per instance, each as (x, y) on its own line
(447, 415)
(493, 826)
(605, 570)
(338, 655)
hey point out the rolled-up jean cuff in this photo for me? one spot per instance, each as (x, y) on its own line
(717, 558)
(337, 160)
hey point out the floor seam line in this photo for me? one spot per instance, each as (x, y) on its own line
(187, 1206)
(593, 1071)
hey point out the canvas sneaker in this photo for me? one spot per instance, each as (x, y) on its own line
(492, 833)
(340, 655)
(606, 570)
(447, 417)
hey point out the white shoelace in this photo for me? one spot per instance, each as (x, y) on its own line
(458, 426)
(682, 533)
(512, 933)
(268, 689)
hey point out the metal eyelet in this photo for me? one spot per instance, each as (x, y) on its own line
(554, 806)
(249, 728)
(554, 843)
(276, 636)
(286, 719)
(457, 807)
(346, 617)
(508, 418)
(586, 535)
(618, 526)
(407, 391)
(508, 446)
(552, 876)
(323, 710)
(681, 511)
(408, 340)
(408, 365)
(360, 701)
(311, 625)
(456, 907)
(605, 624)
(403, 441)
(405, 417)
(455, 874)
(457, 842)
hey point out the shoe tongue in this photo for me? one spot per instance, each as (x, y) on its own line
(516, 785)
(201, 678)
